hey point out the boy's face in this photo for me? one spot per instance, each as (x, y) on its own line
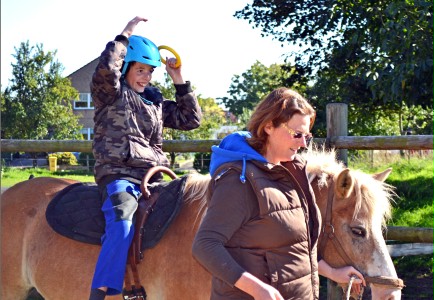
(138, 76)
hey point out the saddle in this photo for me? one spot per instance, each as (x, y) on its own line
(75, 212)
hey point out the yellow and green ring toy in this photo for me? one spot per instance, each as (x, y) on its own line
(178, 59)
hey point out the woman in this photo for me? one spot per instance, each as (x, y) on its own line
(129, 119)
(259, 235)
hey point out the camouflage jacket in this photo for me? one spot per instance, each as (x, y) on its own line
(128, 126)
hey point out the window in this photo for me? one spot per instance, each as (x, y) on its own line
(84, 101)
(87, 133)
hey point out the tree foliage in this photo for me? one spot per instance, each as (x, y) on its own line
(247, 89)
(213, 117)
(379, 51)
(364, 118)
(37, 103)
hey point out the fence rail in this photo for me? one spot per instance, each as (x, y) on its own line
(405, 142)
(409, 234)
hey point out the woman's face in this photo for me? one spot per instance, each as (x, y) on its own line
(138, 76)
(284, 141)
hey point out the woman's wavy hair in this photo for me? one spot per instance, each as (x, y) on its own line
(278, 107)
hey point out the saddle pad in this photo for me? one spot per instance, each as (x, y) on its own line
(75, 212)
(170, 198)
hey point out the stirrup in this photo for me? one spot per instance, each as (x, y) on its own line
(134, 293)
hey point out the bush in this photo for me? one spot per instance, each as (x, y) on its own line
(3, 167)
(86, 157)
(65, 158)
(201, 162)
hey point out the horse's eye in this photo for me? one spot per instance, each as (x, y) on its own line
(359, 231)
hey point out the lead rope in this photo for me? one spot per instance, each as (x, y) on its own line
(348, 292)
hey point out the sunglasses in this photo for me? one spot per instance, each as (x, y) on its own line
(298, 135)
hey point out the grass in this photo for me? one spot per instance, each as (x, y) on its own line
(412, 177)
(11, 176)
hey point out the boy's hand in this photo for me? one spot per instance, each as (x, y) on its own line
(128, 30)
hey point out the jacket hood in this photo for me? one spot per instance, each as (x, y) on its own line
(234, 147)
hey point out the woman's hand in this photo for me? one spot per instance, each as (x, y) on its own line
(342, 275)
(128, 30)
(256, 288)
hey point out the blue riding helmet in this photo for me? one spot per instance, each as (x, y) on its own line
(142, 50)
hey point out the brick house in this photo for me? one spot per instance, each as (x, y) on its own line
(83, 107)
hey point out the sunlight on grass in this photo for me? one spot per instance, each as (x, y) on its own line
(419, 217)
(11, 176)
(412, 177)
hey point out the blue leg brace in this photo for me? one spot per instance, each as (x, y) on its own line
(118, 208)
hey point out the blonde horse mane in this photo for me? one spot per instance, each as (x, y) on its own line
(321, 165)
(376, 195)
(197, 190)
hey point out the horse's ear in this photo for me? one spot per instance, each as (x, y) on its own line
(383, 175)
(344, 184)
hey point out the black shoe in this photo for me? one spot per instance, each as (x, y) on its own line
(97, 294)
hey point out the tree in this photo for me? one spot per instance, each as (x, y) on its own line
(247, 89)
(213, 117)
(385, 48)
(365, 119)
(36, 105)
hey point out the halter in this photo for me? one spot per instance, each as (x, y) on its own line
(329, 234)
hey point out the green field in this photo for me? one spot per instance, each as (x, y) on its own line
(10, 176)
(412, 176)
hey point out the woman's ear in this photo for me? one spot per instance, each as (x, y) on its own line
(269, 127)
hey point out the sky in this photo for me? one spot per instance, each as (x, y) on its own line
(212, 44)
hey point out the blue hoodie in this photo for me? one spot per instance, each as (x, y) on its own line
(234, 147)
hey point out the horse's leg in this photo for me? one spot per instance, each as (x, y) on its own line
(14, 283)
(22, 208)
(61, 268)
(36, 256)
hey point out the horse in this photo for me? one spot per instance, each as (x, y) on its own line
(34, 256)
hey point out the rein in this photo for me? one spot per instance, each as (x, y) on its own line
(329, 234)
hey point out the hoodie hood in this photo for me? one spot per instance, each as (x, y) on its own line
(234, 147)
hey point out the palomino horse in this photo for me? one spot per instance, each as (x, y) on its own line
(33, 255)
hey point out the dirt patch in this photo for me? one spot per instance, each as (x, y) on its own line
(417, 285)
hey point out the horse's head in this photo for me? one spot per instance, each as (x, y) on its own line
(355, 207)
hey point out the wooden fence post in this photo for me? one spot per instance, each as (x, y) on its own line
(337, 125)
(334, 291)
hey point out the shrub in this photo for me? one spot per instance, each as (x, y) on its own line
(201, 162)
(86, 157)
(65, 158)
